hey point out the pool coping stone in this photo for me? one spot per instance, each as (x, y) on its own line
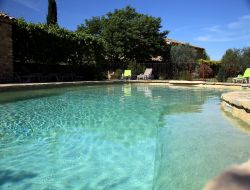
(24, 86)
(238, 104)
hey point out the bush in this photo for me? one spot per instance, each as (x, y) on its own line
(222, 76)
(205, 71)
(136, 68)
(214, 65)
(185, 75)
(40, 43)
(118, 73)
(162, 76)
(231, 61)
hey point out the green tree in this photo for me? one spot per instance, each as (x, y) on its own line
(183, 58)
(52, 13)
(128, 35)
(231, 61)
(245, 58)
(50, 44)
(93, 26)
(205, 56)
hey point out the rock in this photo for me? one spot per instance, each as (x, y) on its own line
(238, 104)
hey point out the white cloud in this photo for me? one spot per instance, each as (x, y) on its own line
(242, 22)
(31, 4)
(237, 30)
(210, 38)
(203, 38)
(215, 28)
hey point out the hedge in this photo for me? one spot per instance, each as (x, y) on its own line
(43, 44)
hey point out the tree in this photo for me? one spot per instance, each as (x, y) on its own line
(183, 58)
(205, 56)
(52, 13)
(128, 35)
(93, 26)
(245, 58)
(231, 61)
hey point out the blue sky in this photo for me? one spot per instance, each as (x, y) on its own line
(215, 25)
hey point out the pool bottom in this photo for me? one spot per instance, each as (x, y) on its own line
(117, 137)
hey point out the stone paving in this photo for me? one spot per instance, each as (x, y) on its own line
(23, 86)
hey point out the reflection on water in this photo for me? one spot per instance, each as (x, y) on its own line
(237, 122)
(127, 89)
(117, 137)
(145, 89)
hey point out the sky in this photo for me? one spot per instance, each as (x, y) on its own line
(215, 25)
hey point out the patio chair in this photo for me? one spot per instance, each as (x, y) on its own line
(242, 79)
(147, 74)
(127, 74)
(111, 75)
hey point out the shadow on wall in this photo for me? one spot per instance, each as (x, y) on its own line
(11, 177)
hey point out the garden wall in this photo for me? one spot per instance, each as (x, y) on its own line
(6, 56)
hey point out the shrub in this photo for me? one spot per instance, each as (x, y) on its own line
(185, 75)
(40, 43)
(118, 73)
(231, 62)
(162, 76)
(136, 68)
(222, 76)
(205, 71)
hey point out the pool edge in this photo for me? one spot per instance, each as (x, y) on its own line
(28, 86)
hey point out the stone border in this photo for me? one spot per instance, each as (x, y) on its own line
(238, 104)
(30, 86)
(26, 86)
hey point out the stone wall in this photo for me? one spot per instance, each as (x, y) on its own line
(6, 50)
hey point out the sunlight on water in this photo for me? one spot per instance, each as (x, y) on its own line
(116, 137)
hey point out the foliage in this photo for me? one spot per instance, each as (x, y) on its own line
(245, 60)
(236, 61)
(50, 44)
(128, 35)
(222, 76)
(185, 75)
(205, 56)
(52, 12)
(118, 73)
(183, 58)
(136, 68)
(93, 26)
(231, 62)
(205, 71)
(212, 64)
(183, 54)
(208, 62)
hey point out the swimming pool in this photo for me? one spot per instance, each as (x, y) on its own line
(116, 137)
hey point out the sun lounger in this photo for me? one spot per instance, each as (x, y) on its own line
(242, 79)
(127, 74)
(147, 74)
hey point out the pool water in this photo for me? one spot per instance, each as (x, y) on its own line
(116, 137)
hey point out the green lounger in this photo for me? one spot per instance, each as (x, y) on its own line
(127, 74)
(243, 78)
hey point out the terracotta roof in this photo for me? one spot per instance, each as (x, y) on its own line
(175, 42)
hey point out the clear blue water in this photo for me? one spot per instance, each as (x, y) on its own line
(120, 137)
